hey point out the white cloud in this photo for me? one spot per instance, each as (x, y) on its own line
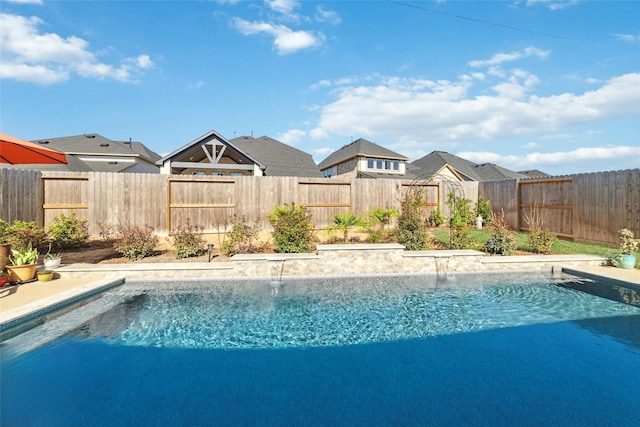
(627, 37)
(292, 137)
(562, 158)
(46, 58)
(196, 85)
(500, 58)
(285, 40)
(554, 4)
(531, 145)
(445, 112)
(325, 15)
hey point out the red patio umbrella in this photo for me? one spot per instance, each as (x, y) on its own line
(16, 151)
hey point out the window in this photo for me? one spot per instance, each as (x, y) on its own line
(387, 164)
(326, 173)
(370, 163)
(396, 166)
(217, 174)
(378, 164)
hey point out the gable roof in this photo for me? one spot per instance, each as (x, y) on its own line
(359, 148)
(96, 144)
(186, 154)
(279, 159)
(433, 162)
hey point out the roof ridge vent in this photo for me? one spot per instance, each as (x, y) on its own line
(89, 135)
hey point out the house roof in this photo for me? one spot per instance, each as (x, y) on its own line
(359, 148)
(96, 145)
(280, 159)
(433, 162)
(185, 153)
(534, 173)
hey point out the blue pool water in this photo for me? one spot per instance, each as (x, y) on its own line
(476, 350)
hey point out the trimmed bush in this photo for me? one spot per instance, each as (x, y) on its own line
(20, 234)
(136, 242)
(292, 228)
(68, 231)
(243, 238)
(187, 241)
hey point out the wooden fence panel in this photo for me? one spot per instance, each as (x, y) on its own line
(20, 195)
(549, 203)
(502, 197)
(200, 201)
(65, 193)
(324, 198)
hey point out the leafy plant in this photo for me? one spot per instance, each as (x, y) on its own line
(344, 222)
(50, 257)
(187, 241)
(436, 219)
(627, 243)
(3, 231)
(502, 241)
(21, 233)
(292, 228)
(411, 230)
(136, 242)
(461, 217)
(242, 239)
(483, 208)
(68, 231)
(378, 228)
(24, 256)
(541, 240)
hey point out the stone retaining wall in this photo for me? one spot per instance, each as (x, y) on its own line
(339, 260)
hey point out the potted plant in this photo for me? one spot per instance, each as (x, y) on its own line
(45, 275)
(23, 263)
(51, 261)
(628, 245)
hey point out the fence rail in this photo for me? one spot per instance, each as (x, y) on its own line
(586, 207)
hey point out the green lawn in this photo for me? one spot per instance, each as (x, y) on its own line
(560, 246)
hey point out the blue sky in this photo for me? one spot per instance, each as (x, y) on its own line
(545, 84)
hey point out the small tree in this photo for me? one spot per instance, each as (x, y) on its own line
(461, 217)
(411, 230)
(483, 208)
(344, 222)
(187, 241)
(243, 238)
(292, 228)
(380, 219)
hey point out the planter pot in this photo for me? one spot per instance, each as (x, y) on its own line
(626, 261)
(3, 280)
(50, 264)
(45, 276)
(5, 251)
(22, 273)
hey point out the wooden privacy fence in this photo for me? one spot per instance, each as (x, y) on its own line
(587, 207)
(166, 202)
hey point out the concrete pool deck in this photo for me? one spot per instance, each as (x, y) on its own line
(75, 282)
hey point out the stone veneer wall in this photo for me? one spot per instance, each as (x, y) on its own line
(339, 260)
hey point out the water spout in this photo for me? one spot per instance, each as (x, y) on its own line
(441, 268)
(276, 267)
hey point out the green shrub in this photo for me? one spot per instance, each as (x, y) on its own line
(68, 231)
(436, 219)
(20, 234)
(377, 229)
(344, 222)
(243, 238)
(187, 241)
(502, 240)
(136, 242)
(483, 208)
(541, 241)
(411, 230)
(3, 231)
(461, 217)
(292, 228)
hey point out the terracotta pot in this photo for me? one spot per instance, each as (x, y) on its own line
(5, 251)
(22, 273)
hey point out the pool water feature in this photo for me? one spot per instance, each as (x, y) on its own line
(475, 350)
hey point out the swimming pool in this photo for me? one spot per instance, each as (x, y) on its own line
(478, 349)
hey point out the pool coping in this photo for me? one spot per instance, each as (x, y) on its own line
(44, 306)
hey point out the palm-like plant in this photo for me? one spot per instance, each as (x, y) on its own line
(382, 216)
(344, 222)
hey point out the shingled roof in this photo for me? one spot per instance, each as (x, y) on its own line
(433, 163)
(359, 148)
(280, 159)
